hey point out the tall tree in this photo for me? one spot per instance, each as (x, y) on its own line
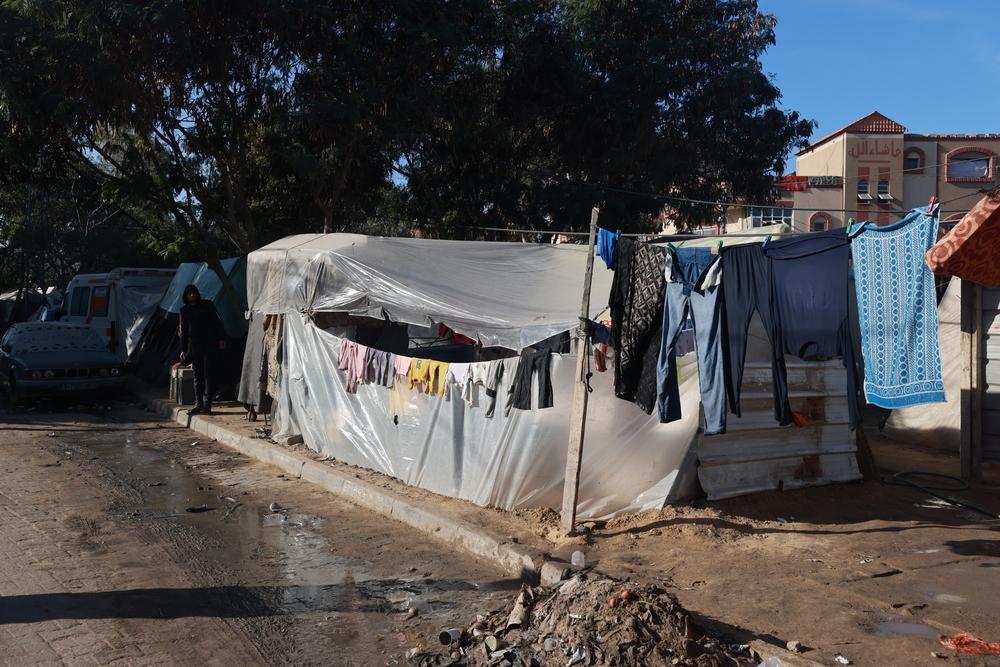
(230, 126)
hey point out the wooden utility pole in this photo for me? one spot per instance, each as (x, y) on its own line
(970, 448)
(578, 420)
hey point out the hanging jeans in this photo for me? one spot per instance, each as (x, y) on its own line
(705, 308)
(811, 301)
(746, 284)
(532, 360)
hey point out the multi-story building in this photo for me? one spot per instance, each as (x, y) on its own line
(873, 169)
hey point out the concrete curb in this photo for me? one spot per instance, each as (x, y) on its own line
(515, 559)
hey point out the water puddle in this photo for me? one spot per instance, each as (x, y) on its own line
(894, 624)
(904, 628)
(289, 550)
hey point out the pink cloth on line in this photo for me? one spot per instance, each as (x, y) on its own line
(402, 365)
(353, 359)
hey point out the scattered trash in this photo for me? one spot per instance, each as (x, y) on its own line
(451, 636)
(963, 642)
(51, 434)
(578, 559)
(195, 443)
(274, 519)
(231, 510)
(519, 614)
(842, 660)
(579, 655)
(918, 605)
(198, 510)
(794, 646)
(578, 624)
(275, 507)
(156, 484)
(781, 520)
(412, 653)
(773, 661)
(941, 656)
(412, 612)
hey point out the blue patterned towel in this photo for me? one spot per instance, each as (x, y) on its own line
(897, 309)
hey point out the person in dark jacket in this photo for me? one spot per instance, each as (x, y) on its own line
(202, 336)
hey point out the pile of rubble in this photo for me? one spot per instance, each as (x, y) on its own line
(586, 621)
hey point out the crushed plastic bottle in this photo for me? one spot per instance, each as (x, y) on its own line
(579, 560)
(274, 519)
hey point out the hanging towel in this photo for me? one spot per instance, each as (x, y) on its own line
(897, 309)
(606, 242)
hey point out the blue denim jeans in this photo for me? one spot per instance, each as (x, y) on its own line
(705, 308)
(689, 266)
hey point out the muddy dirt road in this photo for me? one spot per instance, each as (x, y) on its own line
(101, 561)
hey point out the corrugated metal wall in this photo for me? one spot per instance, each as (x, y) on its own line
(991, 375)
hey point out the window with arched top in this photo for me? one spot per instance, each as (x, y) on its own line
(913, 161)
(820, 222)
(970, 164)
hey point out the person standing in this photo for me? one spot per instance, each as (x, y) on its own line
(202, 336)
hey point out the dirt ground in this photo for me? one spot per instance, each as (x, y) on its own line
(869, 571)
(101, 563)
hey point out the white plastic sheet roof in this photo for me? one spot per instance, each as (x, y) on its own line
(505, 294)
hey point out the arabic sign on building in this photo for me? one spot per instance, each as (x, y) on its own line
(874, 148)
(801, 183)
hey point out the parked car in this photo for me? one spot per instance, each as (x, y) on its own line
(40, 359)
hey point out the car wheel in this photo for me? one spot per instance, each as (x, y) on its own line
(13, 395)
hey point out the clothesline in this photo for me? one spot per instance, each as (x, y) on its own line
(772, 205)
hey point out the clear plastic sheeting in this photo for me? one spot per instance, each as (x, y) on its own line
(503, 294)
(631, 462)
(136, 307)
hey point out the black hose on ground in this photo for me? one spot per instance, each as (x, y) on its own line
(902, 479)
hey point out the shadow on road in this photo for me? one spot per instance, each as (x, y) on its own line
(221, 601)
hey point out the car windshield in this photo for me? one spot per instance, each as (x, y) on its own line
(52, 337)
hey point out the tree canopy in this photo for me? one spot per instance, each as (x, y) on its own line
(209, 128)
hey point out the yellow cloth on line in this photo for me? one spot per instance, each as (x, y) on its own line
(431, 375)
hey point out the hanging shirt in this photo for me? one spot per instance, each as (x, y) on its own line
(431, 375)
(352, 360)
(402, 365)
(897, 311)
(458, 376)
(636, 302)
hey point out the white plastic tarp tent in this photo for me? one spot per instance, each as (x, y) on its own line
(506, 294)
(201, 275)
(136, 307)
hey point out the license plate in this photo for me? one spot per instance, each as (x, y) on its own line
(83, 386)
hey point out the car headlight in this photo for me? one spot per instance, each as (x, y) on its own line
(115, 371)
(103, 372)
(49, 374)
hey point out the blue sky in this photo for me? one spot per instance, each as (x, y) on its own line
(932, 66)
